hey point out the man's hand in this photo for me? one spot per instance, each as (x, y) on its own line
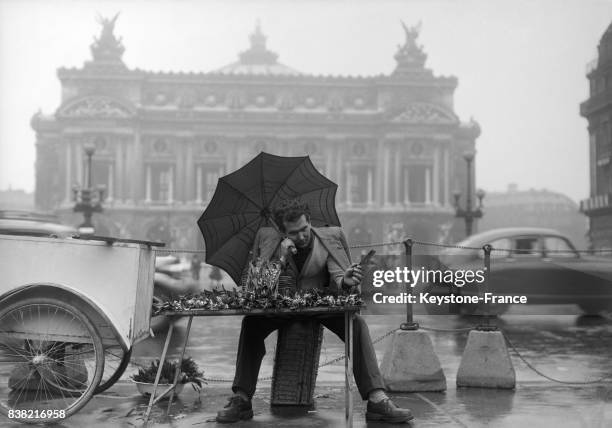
(353, 275)
(287, 247)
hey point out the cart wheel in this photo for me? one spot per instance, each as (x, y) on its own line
(51, 360)
(116, 361)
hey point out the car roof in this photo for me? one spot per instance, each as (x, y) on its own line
(493, 234)
(35, 228)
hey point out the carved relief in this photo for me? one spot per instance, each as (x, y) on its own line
(160, 145)
(418, 112)
(285, 101)
(96, 107)
(234, 100)
(335, 103)
(261, 100)
(359, 149)
(210, 100)
(359, 103)
(310, 102)
(186, 99)
(210, 147)
(416, 149)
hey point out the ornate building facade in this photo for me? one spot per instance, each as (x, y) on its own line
(392, 142)
(597, 109)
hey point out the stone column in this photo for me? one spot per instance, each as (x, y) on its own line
(370, 186)
(188, 196)
(406, 185)
(386, 172)
(445, 201)
(427, 185)
(398, 172)
(339, 168)
(79, 164)
(68, 171)
(180, 170)
(198, 197)
(348, 184)
(137, 164)
(148, 184)
(436, 176)
(119, 176)
(171, 184)
(111, 182)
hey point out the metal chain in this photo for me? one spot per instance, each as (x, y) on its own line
(423, 243)
(447, 330)
(455, 330)
(601, 379)
(377, 244)
(178, 250)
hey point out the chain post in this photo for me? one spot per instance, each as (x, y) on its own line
(487, 266)
(409, 324)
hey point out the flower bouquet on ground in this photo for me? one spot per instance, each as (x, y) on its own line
(190, 373)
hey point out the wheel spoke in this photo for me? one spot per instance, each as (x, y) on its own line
(51, 357)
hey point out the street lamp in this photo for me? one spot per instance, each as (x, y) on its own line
(88, 200)
(469, 213)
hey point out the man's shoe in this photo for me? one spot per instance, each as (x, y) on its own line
(236, 410)
(386, 411)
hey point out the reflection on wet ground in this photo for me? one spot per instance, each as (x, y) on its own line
(565, 347)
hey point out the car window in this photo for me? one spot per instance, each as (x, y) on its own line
(557, 246)
(501, 248)
(526, 246)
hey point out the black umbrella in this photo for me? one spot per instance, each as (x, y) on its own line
(244, 200)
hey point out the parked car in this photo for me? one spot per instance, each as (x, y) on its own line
(33, 224)
(541, 264)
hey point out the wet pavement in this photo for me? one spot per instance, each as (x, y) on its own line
(564, 347)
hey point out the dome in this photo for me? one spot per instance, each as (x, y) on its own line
(605, 46)
(257, 60)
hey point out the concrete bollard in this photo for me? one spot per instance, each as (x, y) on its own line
(485, 362)
(410, 363)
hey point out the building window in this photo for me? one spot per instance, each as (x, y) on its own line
(415, 185)
(160, 182)
(207, 176)
(360, 182)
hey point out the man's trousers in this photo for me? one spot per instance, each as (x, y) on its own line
(251, 350)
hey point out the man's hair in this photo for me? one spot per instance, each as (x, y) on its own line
(288, 210)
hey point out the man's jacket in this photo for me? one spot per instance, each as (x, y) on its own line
(324, 267)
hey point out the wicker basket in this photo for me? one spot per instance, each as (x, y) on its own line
(296, 363)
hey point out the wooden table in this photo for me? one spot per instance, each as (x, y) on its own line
(348, 312)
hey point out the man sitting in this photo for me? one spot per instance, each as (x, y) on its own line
(315, 257)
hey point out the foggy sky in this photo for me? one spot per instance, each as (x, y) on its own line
(520, 64)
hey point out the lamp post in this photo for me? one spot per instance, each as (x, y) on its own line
(469, 213)
(88, 200)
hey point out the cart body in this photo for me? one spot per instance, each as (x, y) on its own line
(112, 283)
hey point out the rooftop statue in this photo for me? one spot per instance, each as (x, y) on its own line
(107, 47)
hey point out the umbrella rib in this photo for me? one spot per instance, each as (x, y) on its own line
(287, 178)
(310, 191)
(240, 192)
(231, 215)
(219, 250)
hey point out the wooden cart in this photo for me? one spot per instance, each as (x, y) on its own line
(70, 312)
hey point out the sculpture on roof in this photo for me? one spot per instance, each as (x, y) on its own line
(108, 26)
(411, 34)
(410, 56)
(107, 47)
